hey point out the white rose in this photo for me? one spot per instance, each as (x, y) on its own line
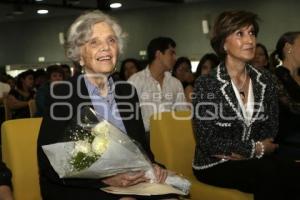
(99, 145)
(82, 146)
(101, 128)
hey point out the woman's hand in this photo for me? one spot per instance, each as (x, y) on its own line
(133, 178)
(160, 173)
(269, 146)
(233, 156)
(5, 193)
(125, 179)
(14, 103)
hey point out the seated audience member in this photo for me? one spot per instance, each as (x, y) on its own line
(67, 71)
(17, 99)
(5, 183)
(182, 70)
(157, 89)
(288, 51)
(95, 41)
(236, 118)
(129, 67)
(54, 73)
(261, 58)
(40, 78)
(207, 63)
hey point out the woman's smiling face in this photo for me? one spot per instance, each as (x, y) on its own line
(99, 55)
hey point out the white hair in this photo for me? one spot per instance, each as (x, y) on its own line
(81, 30)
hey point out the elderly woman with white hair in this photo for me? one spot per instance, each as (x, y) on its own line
(95, 41)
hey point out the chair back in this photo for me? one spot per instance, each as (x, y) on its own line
(32, 107)
(173, 144)
(19, 146)
(172, 140)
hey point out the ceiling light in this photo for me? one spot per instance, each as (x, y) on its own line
(38, 0)
(42, 11)
(115, 5)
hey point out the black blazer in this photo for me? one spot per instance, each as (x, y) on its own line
(289, 105)
(220, 127)
(52, 187)
(5, 175)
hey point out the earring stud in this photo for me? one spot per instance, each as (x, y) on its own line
(81, 63)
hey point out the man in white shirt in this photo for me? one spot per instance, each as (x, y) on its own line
(157, 89)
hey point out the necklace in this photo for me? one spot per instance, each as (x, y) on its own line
(240, 89)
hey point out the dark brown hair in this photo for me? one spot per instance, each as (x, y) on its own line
(227, 23)
(122, 69)
(179, 61)
(213, 58)
(159, 44)
(288, 37)
(22, 76)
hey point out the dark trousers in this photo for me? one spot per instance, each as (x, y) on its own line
(270, 177)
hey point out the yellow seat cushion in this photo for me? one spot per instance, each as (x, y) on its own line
(19, 146)
(173, 144)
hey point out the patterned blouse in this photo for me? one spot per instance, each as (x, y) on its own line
(289, 105)
(288, 90)
(220, 127)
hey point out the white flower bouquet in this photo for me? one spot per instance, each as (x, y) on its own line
(99, 151)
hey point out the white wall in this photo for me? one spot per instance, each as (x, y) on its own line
(23, 42)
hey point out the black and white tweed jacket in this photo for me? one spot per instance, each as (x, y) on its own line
(219, 125)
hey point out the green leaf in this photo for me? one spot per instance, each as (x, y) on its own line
(81, 161)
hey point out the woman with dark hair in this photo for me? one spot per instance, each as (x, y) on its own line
(54, 74)
(288, 51)
(19, 96)
(40, 77)
(67, 71)
(208, 62)
(261, 58)
(236, 118)
(129, 67)
(182, 70)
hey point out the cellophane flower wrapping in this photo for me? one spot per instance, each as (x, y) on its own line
(93, 149)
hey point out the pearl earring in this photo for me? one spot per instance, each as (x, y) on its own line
(289, 51)
(81, 62)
